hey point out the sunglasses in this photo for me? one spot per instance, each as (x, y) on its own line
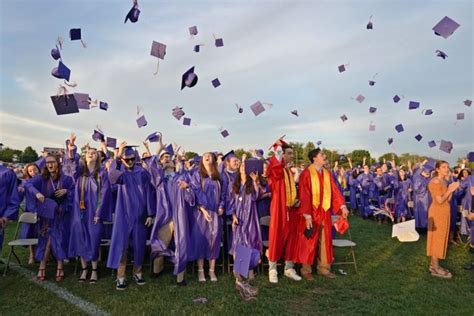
(128, 160)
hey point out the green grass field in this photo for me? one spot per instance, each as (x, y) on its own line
(393, 279)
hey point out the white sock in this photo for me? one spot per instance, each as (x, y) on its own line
(289, 265)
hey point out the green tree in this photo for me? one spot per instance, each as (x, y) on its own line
(8, 154)
(388, 157)
(357, 156)
(307, 148)
(29, 155)
(189, 155)
(298, 151)
(239, 152)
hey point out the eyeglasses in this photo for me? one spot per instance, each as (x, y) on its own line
(51, 162)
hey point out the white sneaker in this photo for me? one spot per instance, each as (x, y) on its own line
(291, 273)
(273, 276)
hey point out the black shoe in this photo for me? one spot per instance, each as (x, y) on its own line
(121, 285)
(93, 281)
(182, 283)
(138, 280)
(80, 277)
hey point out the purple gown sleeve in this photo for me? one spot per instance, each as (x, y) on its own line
(12, 202)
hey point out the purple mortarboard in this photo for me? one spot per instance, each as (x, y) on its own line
(158, 50)
(239, 109)
(396, 98)
(445, 27)
(111, 142)
(177, 112)
(370, 25)
(186, 121)
(372, 126)
(467, 102)
(372, 109)
(98, 136)
(55, 53)
(319, 142)
(259, 152)
(371, 82)
(133, 14)
(153, 137)
(341, 68)
(390, 141)
(418, 137)
(446, 146)
(257, 108)
(253, 165)
(342, 157)
(216, 83)
(243, 256)
(141, 121)
(429, 165)
(82, 100)
(65, 104)
(75, 34)
(441, 54)
(47, 208)
(229, 155)
(169, 149)
(193, 30)
(399, 128)
(470, 156)
(294, 112)
(343, 117)
(103, 105)
(428, 112)
(413, 105)
(432, 143)
(460, 116)
(189, 79)
(197, 48)
(360, 98)
(219, 42)
(61, 72)
(129, 151)
(224, 133)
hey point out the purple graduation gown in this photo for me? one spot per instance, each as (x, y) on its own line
(402, 196)
(366, 183)
(247, 233)
(9, 200)
(353, 185)
(28, 230)
(53, 228)
(205, 236)
(85, 236)
(421, 198)
(132, 208)
(226, 202)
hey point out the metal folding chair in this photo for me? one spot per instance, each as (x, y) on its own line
(345, 243)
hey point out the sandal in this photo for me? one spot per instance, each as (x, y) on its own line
(212, 275)
(93, 280)
(83, 279)
(440, 272)
(59, 275)
(201, 276)
(41, 275)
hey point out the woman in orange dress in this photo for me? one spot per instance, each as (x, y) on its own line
(438, 219)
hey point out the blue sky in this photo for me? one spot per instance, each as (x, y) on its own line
(282, 52)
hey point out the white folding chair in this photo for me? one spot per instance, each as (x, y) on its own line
(27, 218)
(345, 243)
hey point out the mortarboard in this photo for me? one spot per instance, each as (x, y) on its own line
(129, 151)
(360, 98)
(467, 102)
(370, 25)
(396, 98)
(103, 105)
(111, 142)
(243, 256)
(372, 109)
(390, 141)
(470, 156)
(239, 109)
(141, 121)
(253, 165)
(259, 152)
(257, 108)
(372, 126)
(229, 155)
(75, 34)
(219, 42)
(133, 14)
(64, 104)
(294, 112)
(399, 128)
(418, 137)
(413, 105)
(405, 232)
(343, 117)
(341, 225)
(189, 79)
(446, 146)
(341, 68)
(441, 54)
(371, 82)
(428, 112)
(224, 133)
(98, 135)
(460, 116)
(432, 143)
(429, 165)
(55, 53)
(47, 208)
(153, 137)
(319, 142)
(61, 72)
(82, 101)
(186, 121)
(158, 50)
(445, 27)
(216, 83)
(196, 48)
(342, 157)
(177, 112)
(169, 150)
(193, 30)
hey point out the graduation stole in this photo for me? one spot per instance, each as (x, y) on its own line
(316, 188)
(82, 204)
(341, 181)
(290, 188)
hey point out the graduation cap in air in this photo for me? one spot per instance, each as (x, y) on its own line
(189, 79)
(55, 53)
(371, 83)
(82, 100)
(446, 146)
(396, 99)
(370, 26)
(259, 153)
(61, 72)
(245, 259)
(360, 98)
(98, 135)
(432, 143)
(405, 232)
(169, 150)
(427, 112)
(47, 208)
(153, 137)
(65, 104)
(467, 102)
(257, 108)
(372, 109)
(111, 142)
(390, 141)
(133, 14)
(294, 112)
(341, 68)
(158, 50)
(399, 128)
(372, 126)
(103, 105)
(253, 165)
(441, 54)
(177, 112)
(239, 109)
(186, 121)
(193, 30)
(219, 42)
(446, 27)
(460, 116)
(418, 137)
(318, 143)
(413, 105)
(343, 118)
(141, 121)
(470, 156)
(224, 133)
(216, 83)
(75, 35)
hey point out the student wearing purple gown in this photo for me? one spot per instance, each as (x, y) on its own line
(245, 221)
(403, 191)
(53, 184)
(206, 221)
(29, 230)
(353, 184)
(9, 200)
(366, 182)
(421, 196)
(464, 198)
(382, 188)
(133, 214)
(92, 206)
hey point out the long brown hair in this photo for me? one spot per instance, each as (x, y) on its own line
(26, 175)
(45, 172)
(85, 170)
(248, 183)
(214, 173)
(438, 164)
